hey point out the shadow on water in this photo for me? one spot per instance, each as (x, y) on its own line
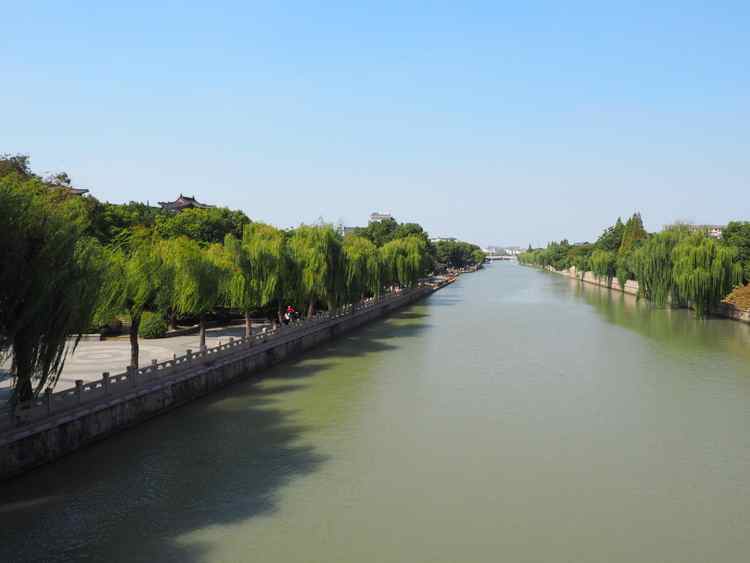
(221, 460)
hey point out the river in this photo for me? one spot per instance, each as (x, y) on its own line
(514, 416)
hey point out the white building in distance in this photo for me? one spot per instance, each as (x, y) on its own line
(375, 217)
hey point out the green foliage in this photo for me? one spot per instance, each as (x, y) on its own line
(704, 271)
(404, 260)
(604, 263)
(50, 278)
(383, 232)
(737, 234)
(652, 266)
(255, 266)
(67, 262)
(110, 221)
(477, 256)
(206, 226)
(379, 232)
(579, 256)
(17, 164)
(623, 268)
(362, 265)
(611, 239)
(153, 325)
(690, 268)
(197, 275)
(139, 276)
(457, 254)
(632, 234)
(316, 254)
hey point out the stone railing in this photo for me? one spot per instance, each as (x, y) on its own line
(52, 404)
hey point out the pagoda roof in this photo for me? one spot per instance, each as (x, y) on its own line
(183, 202)
(69, 189)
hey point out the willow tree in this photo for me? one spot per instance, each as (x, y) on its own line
(404, 260)
(704, 271)
(317, 257)
(255, 269)
(362, 267)
(197, 277)
(477, 256)
(603, 264)
(140, 279)
(50, 276)
(652, 266)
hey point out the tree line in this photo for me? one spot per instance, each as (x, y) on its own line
(70, 263)
(682, 265)
(442, 255)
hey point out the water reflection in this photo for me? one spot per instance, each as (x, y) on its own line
(677, 329)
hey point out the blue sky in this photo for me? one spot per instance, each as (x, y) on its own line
(497, 122)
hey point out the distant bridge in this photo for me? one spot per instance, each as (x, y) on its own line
(495, 257)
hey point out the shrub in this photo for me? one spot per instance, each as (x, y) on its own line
(153, 326)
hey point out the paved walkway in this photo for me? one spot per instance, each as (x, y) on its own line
(92, 357)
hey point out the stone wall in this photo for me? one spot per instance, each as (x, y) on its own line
(55, 426)
(631, 286)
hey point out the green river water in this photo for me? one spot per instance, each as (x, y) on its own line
(514, 416)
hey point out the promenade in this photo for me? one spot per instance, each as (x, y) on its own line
(93, 357)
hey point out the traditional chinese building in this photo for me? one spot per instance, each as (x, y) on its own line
(69, 189)
(183, 202)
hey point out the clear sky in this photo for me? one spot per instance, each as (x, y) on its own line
(496, 122)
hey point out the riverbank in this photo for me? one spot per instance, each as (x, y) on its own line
(510, 413)
(631, 287)
(61, 423)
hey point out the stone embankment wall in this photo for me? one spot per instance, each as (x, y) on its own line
(60, 423)
(631, 287)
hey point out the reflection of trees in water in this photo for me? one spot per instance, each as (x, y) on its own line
(678, 329)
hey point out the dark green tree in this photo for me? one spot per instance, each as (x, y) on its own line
(737, 234)
(198, 277)
(140, 280)
(206, 226)
(255, 268)
(704, 271)
(611, 239)
(315, 251)
(362, 266)
(50, 279)
(632, 234)
(404, 261)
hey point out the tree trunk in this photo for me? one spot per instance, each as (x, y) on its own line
(280, 312)
(311, 309)
(135, 323)
(22, 369)
(248, 325)
(173, 320)
(202, 332)
(24, 391)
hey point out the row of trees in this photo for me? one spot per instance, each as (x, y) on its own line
(442, 255)
(681, 264)
(457, 254)
(68, 263)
